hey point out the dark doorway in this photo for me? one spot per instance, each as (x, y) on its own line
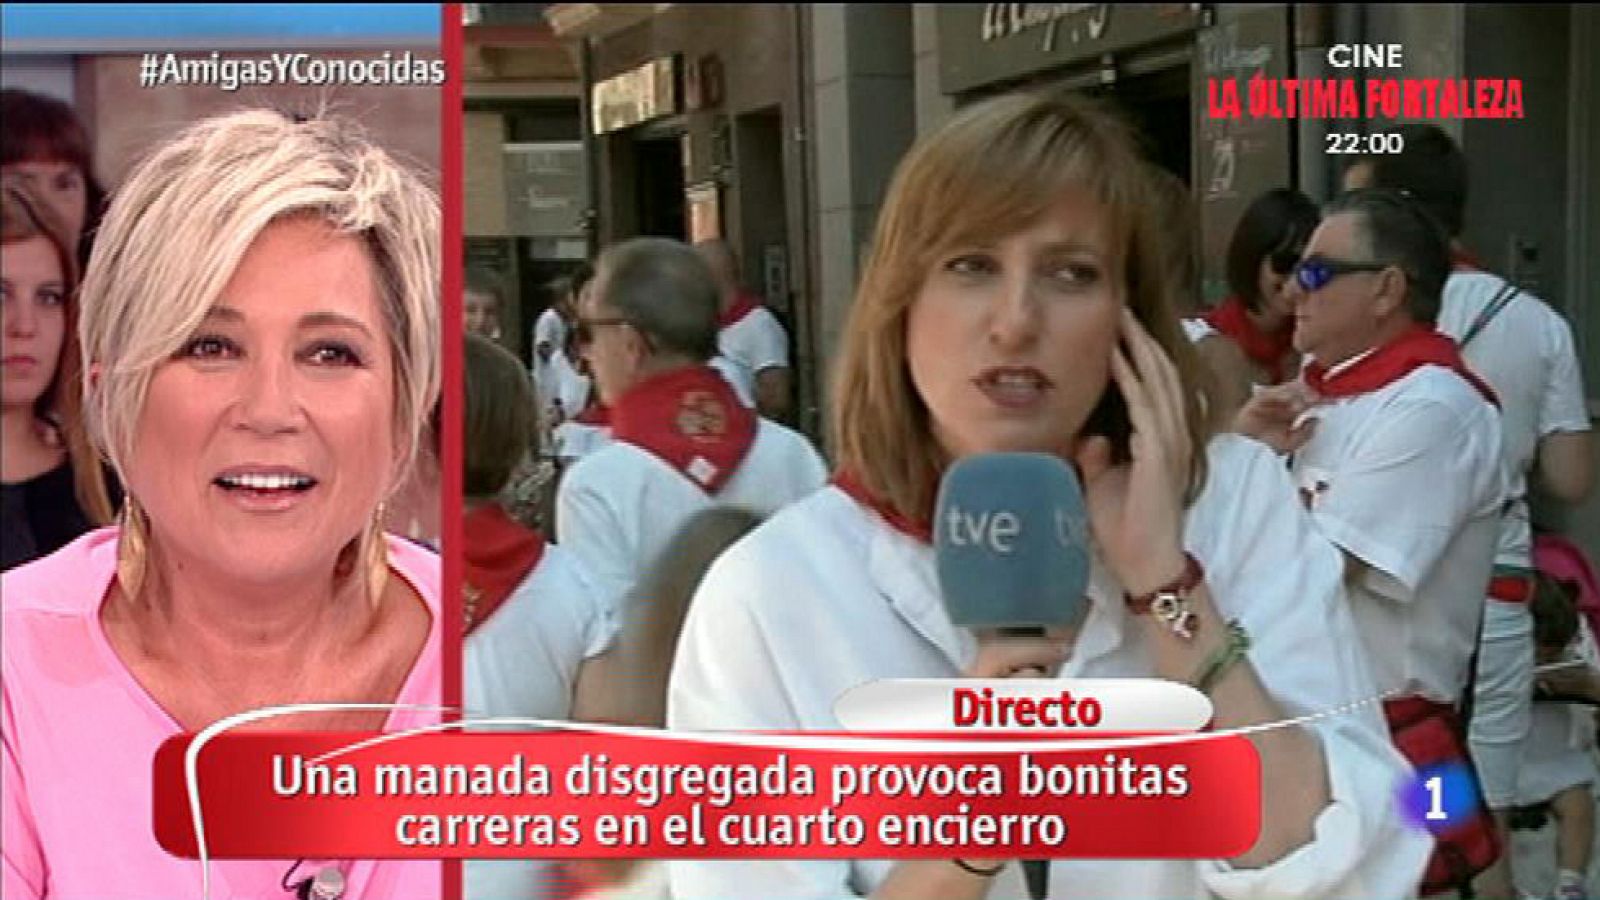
(763, 238)
(1155, 102)
(658, 172)
(1158, 105)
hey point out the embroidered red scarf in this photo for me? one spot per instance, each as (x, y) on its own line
(500, 553)
(855, 490)
(743, 305)
(692, 420)
(1419, 346)
(1264, 348)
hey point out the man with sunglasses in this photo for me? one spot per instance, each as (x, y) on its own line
(681, 438)
(1397, 451)
(1524, 349)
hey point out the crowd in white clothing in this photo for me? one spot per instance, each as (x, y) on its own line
(1360, 511)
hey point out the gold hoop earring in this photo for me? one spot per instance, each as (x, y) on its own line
(375, 555)
(133, 547)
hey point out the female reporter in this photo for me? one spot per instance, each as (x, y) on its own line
(261, 322)
(1013, 301)
(53, 490)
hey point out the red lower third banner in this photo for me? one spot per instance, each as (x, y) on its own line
(664, 795)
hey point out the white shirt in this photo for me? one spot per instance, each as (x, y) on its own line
(1409, 479)
(550, 329)
(523, 661)
(1526, 354)
(560, 381)
(757, 341)
(739, 378)
(574, 440)
(618, 507)
(1197, 330)
(826, 596)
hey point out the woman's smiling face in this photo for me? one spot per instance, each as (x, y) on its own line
(267, 442)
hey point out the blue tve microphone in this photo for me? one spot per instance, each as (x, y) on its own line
(1011, 537)
(1011, 541)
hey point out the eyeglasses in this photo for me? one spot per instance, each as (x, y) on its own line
(1315, 272)
(584, 329)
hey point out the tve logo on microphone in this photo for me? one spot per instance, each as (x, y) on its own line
(1011, 542)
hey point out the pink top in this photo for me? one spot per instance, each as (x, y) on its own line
(80, 732)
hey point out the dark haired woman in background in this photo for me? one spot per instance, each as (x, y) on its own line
(538, 635)
(46, 146)
(1257, 316)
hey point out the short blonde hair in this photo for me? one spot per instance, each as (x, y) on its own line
(179, 226)
(992, 170)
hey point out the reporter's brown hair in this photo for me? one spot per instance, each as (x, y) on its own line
(995, 168)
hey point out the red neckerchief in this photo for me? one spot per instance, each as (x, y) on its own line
(855, 490)
(1418, 346)
(596, 414)
(692, 420)
(500, 552)
(1264, 348)
(743, 305)
(1462, 260)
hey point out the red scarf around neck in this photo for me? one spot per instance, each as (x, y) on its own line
(853, 488)
(1264, 348)
(596, 414)
(1418, 346)
(691, 419)
(743, 305)
(500, 552)
(1462, 260)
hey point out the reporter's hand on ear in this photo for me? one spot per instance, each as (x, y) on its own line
(1136, 510)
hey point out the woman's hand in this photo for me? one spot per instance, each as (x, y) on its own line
(1572, 681)
(1136, 510)
(1012, 656)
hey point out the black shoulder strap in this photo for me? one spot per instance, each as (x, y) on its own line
(1502, 298)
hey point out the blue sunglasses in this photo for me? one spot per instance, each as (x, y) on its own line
(1315, 272)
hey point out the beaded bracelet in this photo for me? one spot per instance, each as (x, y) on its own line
(1222, 659)
(971, 869)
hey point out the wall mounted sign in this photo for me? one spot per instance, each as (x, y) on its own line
(636, 96)
(985, 43)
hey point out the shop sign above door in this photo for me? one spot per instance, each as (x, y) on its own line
(984, 43)
(636, 96)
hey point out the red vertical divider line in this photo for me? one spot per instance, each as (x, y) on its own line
(451, 188)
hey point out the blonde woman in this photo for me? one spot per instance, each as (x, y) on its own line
(260, 319)
(1016, 299)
